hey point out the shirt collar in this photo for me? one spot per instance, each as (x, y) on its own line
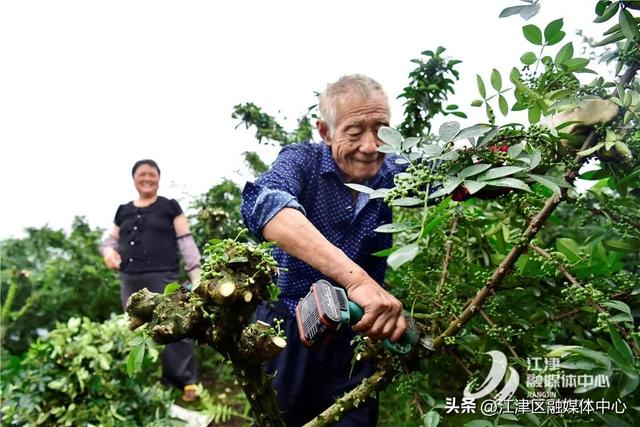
(328, 165)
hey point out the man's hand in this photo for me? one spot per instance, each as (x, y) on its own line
(382, 311)
(294, 234)
(111, 258)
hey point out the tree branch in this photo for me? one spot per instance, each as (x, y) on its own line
(493, 325)
(532, 229)
(365, 390)
(597, 307)
(445, 268)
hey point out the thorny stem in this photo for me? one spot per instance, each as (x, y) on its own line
(460, 362)
(597, 307)
(445, 267)
(472, 306)
(365, 390)
(493, 325)
(500, 273)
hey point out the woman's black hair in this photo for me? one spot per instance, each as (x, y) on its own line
(144, 162)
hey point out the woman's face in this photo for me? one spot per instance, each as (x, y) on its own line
(146, 179)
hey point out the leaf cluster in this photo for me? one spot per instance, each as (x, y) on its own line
(77, 376)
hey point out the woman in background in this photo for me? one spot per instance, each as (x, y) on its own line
(143, 246)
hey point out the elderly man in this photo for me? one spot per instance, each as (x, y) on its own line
(323, 229)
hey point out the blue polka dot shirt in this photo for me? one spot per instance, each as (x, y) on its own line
(306, 177)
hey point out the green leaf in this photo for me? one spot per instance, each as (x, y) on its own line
(621, 318)
(499, 172)
(474, 186)
(481, 88)
(409, 143)
(448, 130)
(546, 182)
(595, 175)
(390, 136)
(472, 132)
(503, 105)
(515, 77)
(135, 359)
(510, 183)
(615, 37)
(171, 288)
(496, 80)
(621, 346)
(564, 54)
(528, 58)
(360, 188)
(534, 115)
(383, 253)
(137, 340)
(379, 193)
(431, 419)
(532, 34)
(598, 356)
(488, 137)
(478, 423)
(569, 248)
(585, 153)
(536, 158)
(396, 227)
(557, 38)
(473, 170)
(515, 150)
(512, 10)
(403, 255)
(631, 245)
(56, 384)
(552, 30)
(387, 149)
(432, 225)
(446, 189)
(608, 12)
(407, 201)
(580, 364)
(575, 64)
(477, 103)
(630, 384)
(629, 26)
(618, 305)
(450, 155)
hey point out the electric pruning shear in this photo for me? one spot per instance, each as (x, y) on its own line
(326, 309)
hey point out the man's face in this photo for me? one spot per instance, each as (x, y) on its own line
(354, 139)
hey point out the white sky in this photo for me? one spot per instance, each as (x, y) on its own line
(87, 88)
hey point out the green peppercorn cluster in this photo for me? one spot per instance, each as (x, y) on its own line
(580, 295)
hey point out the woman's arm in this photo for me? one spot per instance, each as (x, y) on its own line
(188, 249)
(109, 249)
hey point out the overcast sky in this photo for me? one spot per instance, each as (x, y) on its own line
(87, 88)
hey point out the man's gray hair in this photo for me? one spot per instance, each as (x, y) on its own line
(358, 84)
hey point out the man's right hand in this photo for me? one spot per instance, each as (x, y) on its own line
(294, 234)
(382, 311)
(112, 258)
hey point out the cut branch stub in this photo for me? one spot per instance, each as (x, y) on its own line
(170, 317)
(259, 342)
(235, 277)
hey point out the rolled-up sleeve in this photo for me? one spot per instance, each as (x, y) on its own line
(277, 189)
